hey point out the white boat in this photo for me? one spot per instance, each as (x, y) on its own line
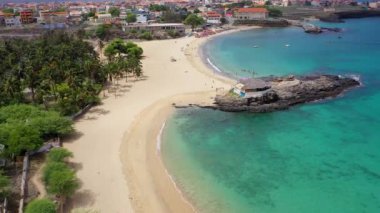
(287, 45)
(256, 46)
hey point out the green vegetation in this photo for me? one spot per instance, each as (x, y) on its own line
(41, 206)
(194, 21)
(60, 9)
(146, 36)
(274, 12)
(223, 20)
(59, 178)
(91, 14)
(57, 70)
(117, 48)
(5, 185)
(172, 17)
(24, 128)
(123, 58)
(158, 7)
(197, 11)
(131, 18)
(59, 155)
(102, 31)
(114, 11)
(173, 33)
(8, 10)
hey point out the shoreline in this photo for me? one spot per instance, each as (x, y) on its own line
(142, 162)
(204, 57)
(163, 195)
(115, 150)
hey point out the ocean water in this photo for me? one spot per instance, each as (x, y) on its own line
(316, 157)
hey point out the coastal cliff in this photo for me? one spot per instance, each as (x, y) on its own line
(339, 16)
(285, 92)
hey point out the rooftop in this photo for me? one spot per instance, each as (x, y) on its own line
(254, 84)
(212, 14)
(252, 10)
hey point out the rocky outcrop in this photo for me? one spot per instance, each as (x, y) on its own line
(264, 23)
(286, 92)
(339, 16)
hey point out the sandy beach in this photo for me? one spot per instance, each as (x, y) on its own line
(115, 149)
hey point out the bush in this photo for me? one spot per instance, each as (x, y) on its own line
(5, 185)
(25, 127)
(62, 183)
(146, 36)
(19, 138)
(173, 33)
(41, 206)
(102, 31)
(273, 12)
(59, 154)
(51, 168)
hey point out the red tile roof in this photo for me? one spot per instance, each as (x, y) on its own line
(252, 10)
(212, 14)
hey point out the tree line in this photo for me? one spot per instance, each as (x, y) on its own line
(57, 70)
(42, 80)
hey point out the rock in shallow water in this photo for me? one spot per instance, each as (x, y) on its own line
(286, 92)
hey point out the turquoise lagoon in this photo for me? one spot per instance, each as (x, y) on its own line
(318, 157)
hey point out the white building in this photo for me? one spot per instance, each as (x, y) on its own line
(141, 18)
(374, 5)
(285, 3)
(12, 21)
(251, 87)
(212, 17)
(251, 14)
(104, 17)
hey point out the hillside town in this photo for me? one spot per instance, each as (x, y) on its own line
(160, 19)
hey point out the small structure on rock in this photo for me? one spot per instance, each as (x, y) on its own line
(251, 87)
(279, 93)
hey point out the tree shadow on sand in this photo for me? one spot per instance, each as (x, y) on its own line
(72, 137)
(81, 199)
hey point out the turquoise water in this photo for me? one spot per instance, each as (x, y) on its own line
(318, 157)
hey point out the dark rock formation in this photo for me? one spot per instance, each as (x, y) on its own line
(264, 23)
(286, 92)
(338, 16)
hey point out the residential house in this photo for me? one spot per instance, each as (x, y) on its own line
(12, 21)
(212, 17)
(101, 9)
(26, 16)
(75, 17)
(49, 17)
(103, 18)
(123, 13)
(141, 18)
(251, 14)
